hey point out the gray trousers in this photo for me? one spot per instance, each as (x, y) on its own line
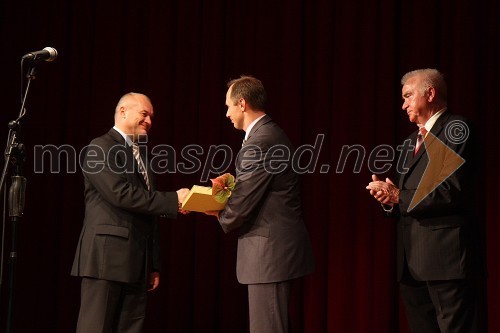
(448, 306)
(268, 307)
(111, 307)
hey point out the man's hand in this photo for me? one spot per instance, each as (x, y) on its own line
(154, 281)
(181, 196)
(384, 192)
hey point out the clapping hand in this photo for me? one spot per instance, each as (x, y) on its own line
(384, 192)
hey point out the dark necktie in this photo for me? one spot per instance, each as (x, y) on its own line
(142, 168)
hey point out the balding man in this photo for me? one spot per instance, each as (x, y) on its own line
(118, 251)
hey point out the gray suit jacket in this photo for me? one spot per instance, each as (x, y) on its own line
(440, 237)
(119, 239)
(265, 205)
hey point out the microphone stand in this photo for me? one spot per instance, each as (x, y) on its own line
(15, 155)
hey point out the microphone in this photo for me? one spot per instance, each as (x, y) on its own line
(47, 54)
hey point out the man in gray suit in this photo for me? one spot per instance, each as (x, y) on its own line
(118, 251)
(439, 261)
(273, 246)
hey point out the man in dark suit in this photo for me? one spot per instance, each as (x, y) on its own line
(273, 246)
(439, 264)
(118, 251)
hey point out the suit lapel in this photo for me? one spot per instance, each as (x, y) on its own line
(130, 162)
(264, 120)
(410, 159)
(428, 141)
(117, 137)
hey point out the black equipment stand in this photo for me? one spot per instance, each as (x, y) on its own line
(15, 158)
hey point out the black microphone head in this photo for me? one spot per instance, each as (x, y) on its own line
(47, 54)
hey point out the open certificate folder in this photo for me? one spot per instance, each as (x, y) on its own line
(200, 199)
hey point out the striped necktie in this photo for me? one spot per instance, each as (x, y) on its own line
(142, 168)
(420, 139)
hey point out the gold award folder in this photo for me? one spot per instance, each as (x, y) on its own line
(200, 199)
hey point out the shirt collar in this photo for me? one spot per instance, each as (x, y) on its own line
(125, 136)
(432, 120)
(252, 124)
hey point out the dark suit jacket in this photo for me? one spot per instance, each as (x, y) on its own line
(119, 239)
(266, 207)
(440, 236)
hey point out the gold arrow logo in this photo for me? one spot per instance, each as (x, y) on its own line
(443, 162)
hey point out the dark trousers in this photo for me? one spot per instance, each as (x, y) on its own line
(448, 306)
(268, 307)
(111, 307)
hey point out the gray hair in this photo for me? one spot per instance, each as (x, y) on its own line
(430, 77)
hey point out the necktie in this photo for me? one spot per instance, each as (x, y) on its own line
(420, 139)
(142, 168)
